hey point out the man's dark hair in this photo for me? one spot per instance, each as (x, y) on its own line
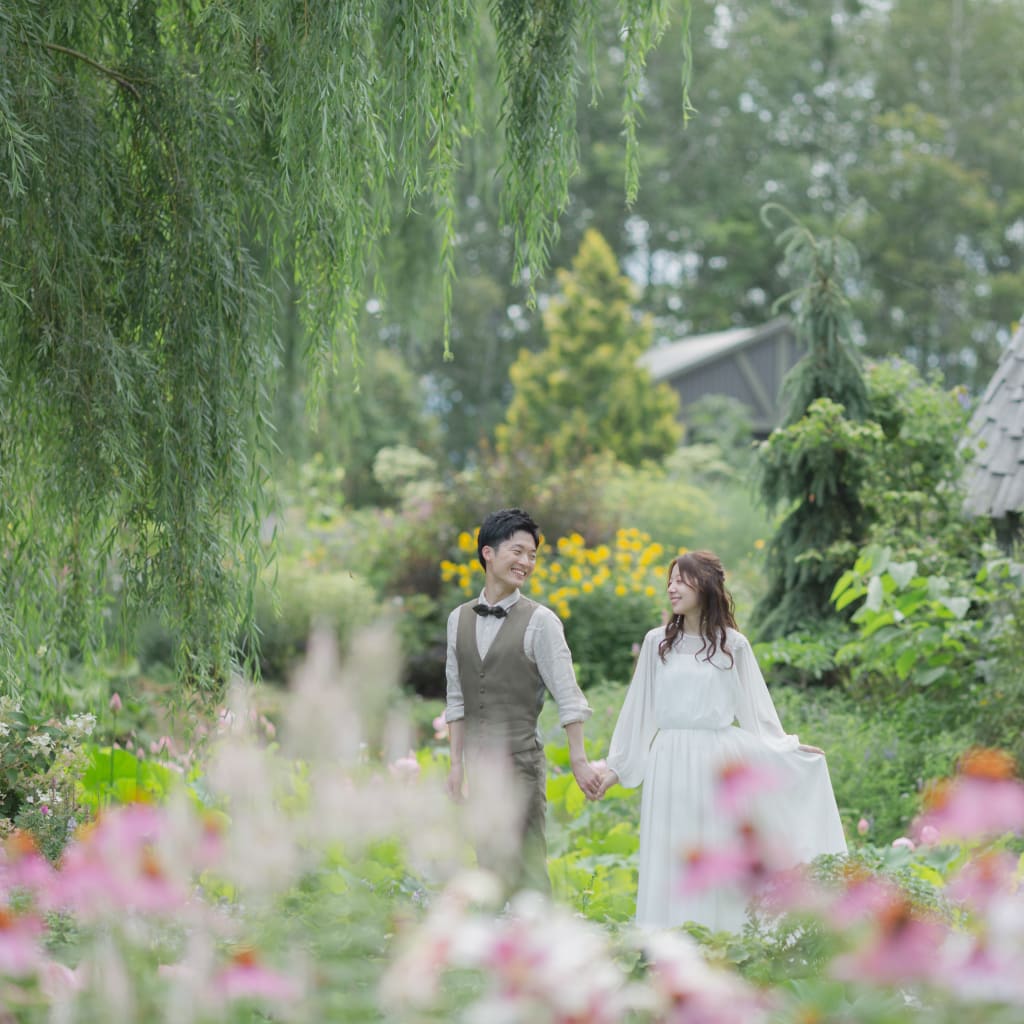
(500, 525)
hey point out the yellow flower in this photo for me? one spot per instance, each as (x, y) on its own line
(466, 542)
(563, 609)
(620, 590)
(588, 587)
(759, 544)
(574, 573)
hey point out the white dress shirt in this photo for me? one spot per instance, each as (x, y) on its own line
(543, 643)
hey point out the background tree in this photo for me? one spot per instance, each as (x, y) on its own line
(817, 463)
(585, 393)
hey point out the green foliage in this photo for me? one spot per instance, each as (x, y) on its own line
(51, 824)
(819, 466)
(300, 598)
(880, 755)
(915, 627)
(816, 464)
(584, 393)
(115, 776)
(916, 488)
(183, 184)
(605, 628)
(37, 756)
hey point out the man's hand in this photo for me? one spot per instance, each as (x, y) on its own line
(587, 778)
(454, 782)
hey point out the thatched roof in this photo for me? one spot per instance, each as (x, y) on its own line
(995, 478)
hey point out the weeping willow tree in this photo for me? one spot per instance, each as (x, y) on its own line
(176, 177)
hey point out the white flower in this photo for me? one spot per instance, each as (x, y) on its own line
(81, 725)
(5, 729)
(42, 740)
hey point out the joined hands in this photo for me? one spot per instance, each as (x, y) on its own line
(594, 778)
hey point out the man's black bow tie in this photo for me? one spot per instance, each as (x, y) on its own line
(486, 609)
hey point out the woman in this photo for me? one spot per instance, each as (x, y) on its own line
(675, 734)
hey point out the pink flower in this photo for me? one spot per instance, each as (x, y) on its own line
(863, 827)
(440, 727)
(903, 843)
(116, 866)
(57, 980)
(984, 880)
(707, 869)
(973, 808)
(405, 768)
(20, 952)
(246, 978)
(115, 702)
(902, 947)
(929, 835)
(22, 865)
(865, 897)
(741, 782)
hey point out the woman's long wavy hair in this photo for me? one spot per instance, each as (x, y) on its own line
(703, 571)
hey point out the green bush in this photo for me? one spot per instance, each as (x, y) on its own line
(304, 598)
(878, 757)
(604, 633)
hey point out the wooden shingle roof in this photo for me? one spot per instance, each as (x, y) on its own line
(995, 477)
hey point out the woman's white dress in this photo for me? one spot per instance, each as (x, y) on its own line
(674, 735)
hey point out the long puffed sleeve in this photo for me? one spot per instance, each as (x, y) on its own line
(755, 710)
(637, 725)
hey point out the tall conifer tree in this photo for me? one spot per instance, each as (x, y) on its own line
(584, 393)
(813, 466)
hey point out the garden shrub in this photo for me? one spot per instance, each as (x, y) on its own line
(305, 598)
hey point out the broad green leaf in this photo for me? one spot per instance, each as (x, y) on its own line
(905, 662)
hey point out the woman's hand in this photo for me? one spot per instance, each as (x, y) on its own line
(811, 750)
(608, 779)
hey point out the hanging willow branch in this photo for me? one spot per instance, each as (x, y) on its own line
(120, 79)
(264, 142)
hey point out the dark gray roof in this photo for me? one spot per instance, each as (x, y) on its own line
(995, 477)
(668, 359)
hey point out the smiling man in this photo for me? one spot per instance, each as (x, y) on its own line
(504, 652)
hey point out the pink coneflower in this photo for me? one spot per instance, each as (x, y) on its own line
(704, 869)
(984, 879)
(864, 897)
(246, 978)
(972, 807)
(22, 865)
(20, 952)
(903, 947)
(741, 782)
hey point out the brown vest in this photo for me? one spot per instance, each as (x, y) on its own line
(504, 692)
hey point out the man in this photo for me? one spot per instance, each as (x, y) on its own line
(504, 650)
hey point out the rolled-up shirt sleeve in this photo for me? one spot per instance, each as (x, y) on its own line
(455, 705)
(545, 646)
